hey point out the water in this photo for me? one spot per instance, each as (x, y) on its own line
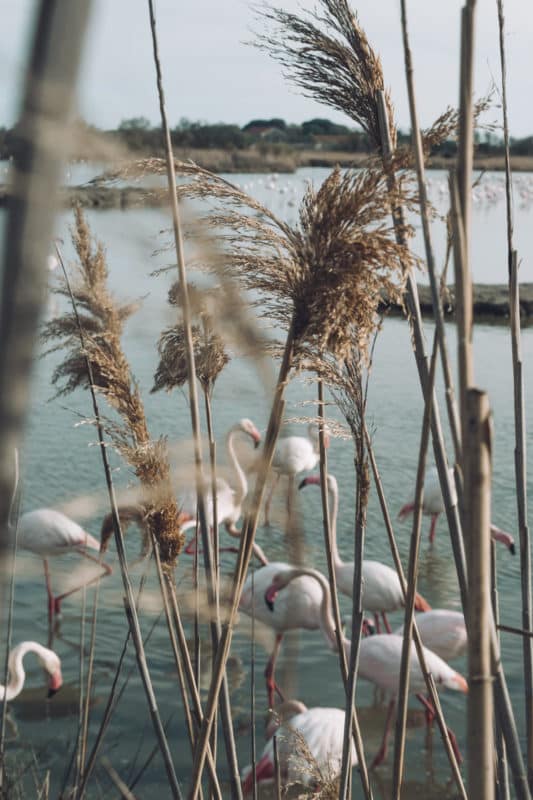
(60, 464)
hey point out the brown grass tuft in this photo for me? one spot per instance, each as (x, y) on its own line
(102, 320)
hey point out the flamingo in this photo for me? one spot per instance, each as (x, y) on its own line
(297, 607)
(379, 656)
(433, 506)
(295, 454)
(442, 631)
(322, 730)
(48, 660)
(382, 590)
(47, 532)
(229, 502)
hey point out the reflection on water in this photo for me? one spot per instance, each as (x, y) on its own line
(60, 463)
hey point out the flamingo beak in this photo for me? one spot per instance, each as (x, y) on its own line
(270, 595)
(256, 436)
(55, 683)
(302, 483)
(512, 549)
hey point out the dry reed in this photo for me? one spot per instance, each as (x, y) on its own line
(102, 320)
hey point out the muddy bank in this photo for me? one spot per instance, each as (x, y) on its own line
(491, 303)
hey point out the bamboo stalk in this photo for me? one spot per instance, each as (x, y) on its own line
(48, 95)
(481, 777)
(519, 411)
(503, 701)
(426, 229)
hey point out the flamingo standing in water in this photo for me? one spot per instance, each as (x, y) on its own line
(442, 631)
(433, 506)
(229, 501)
(379, 657)
(297, 607)
(382, 590)
(322, 730)
(46, 533)
(295, 454)
(47, 659)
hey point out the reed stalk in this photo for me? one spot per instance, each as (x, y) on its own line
(48, 94)
(438, 313)
(412, 574)
(129, 601)
(13, 522)
(351, 713)
(481, 774)
(231, 752)
(502, 772)
(519, 412)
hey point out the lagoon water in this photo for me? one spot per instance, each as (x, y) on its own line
(62, 468)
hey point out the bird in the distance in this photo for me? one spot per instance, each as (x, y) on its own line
(433, 506)
(382, 590)
(49, 533)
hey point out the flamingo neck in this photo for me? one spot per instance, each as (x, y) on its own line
(334, 512)
(327, 623)
(17, 676)
(242, 483)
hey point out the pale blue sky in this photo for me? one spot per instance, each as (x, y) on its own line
(210, 74)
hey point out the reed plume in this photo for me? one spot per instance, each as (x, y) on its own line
(325, 274)
(102, 320)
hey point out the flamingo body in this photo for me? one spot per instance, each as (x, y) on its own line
(443, 632)
(296, 606)
(47, 532)
(322, 729)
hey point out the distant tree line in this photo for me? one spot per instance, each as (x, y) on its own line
(139, 135)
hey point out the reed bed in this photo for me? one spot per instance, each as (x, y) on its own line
(304, 295)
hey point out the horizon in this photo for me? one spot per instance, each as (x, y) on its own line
(211, 75)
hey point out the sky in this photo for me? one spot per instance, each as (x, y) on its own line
(211, 74)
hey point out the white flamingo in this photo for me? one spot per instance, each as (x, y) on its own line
(229, 501)
(433, 506)
(49, 533)
(296, 607)
(294, 454)
(442, 631)
(322, 730)
(382, 591)
(47, 659)
(379, 657)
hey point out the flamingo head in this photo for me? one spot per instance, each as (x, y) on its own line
(279, 581)
(310, 480)
(52, 665)
(247, 426)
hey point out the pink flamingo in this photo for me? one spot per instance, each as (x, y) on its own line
(229, 501)
(433, 506)
(46, 533)
(442, 631)
(382, 590)
(322, 730)
(47, 659)
(297, 607)
(379, 657)
(294, 454)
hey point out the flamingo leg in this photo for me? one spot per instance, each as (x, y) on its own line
(268, 501)
(453, 740)
(381, 755)
(49, 592)
(430, 711)
(386, 622)
(376, 620)
(107, 571)
(264, 770)
(271, 685)
(434, 518)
